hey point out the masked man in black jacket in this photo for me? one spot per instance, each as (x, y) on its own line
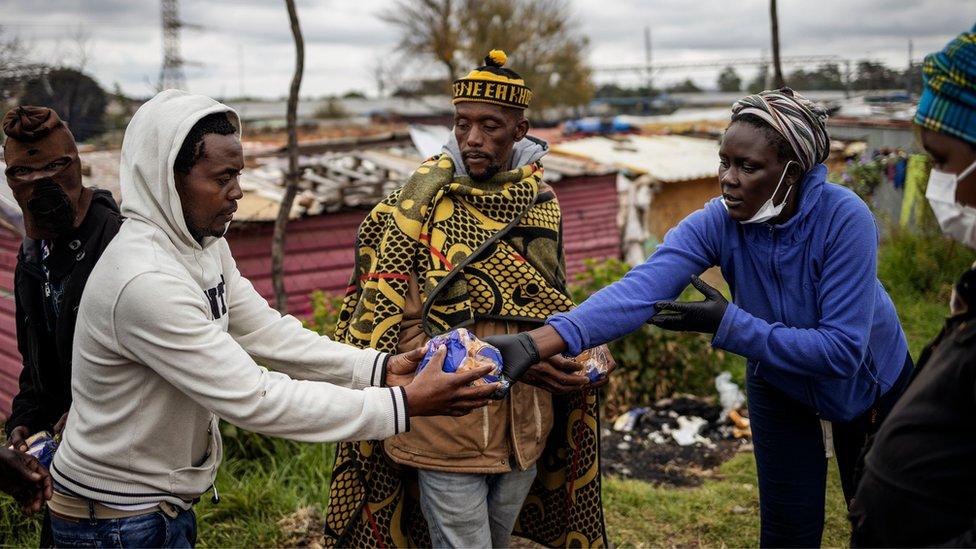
(67, 226)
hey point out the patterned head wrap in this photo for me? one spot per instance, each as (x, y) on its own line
(800, 121)
(948, 102)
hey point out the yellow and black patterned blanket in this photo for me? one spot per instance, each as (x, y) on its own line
(486, 251)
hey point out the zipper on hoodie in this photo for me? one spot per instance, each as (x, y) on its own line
(774, 267)
(774, 263)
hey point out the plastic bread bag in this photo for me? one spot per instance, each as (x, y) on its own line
(595, 361)
(42, 446)
(466, 352)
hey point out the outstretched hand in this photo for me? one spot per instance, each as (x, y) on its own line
(24, 478)
(692, 316)
(519, 353)
(18, 438)
(400, 368)
(558, 375)
(434, 392)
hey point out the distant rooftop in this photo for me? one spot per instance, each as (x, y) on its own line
(665, 158)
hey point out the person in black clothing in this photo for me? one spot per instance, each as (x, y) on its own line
(67, 227)
(919, 482)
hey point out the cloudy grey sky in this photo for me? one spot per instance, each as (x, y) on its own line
(245, 45)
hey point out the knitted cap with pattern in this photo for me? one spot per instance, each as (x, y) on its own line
(493, 83)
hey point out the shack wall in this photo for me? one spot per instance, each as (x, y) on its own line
(319, 255)
(676, 200)
(10, 361)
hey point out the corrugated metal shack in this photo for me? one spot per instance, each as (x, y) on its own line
(339, 187)
(663, 178)
(344, 186)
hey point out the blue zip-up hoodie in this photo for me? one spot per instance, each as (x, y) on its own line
(807, 311)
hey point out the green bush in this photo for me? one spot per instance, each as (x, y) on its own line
(924, 265)
(863, 177)
(919, 269)
(653, 363)
(325, 313)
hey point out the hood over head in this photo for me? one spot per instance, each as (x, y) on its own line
(524, 152)
(152, 141)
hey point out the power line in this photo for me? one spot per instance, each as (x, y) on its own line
(718, 64)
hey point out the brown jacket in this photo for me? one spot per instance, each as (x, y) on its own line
(487, 440)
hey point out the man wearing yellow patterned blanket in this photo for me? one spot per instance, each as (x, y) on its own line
(473, 239)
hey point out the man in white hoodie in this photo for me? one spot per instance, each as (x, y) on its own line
(169, 339)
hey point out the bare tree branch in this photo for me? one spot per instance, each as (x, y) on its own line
(542, 38)
(82, 45)
(292, 178)
(427, 28)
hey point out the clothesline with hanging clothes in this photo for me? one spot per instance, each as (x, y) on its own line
(893, 164)
(906, 173)
(914, 209)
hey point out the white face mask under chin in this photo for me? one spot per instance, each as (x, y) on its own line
(767, 211)
(957, 221)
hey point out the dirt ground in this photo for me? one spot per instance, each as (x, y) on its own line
(641, 454)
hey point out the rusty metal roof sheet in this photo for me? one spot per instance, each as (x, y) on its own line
(666, 158)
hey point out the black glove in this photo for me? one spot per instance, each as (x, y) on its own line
(519, 353)
(694, 316)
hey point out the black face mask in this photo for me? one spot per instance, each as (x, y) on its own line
(51, 208)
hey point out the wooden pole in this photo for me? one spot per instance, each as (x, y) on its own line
(778, 81)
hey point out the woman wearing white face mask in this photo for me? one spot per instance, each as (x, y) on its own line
(919, 483)
(821, 335)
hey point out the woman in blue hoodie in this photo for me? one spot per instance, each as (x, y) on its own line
(826, 354)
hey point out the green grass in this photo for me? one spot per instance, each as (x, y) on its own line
(921, 320)
(261, 481)
(15, 529)
(264, 480)
(919, 270)
(723, 512)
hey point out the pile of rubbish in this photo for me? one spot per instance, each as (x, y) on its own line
(678, 440)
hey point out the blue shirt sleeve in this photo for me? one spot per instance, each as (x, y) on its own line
(848, 290)
(625, 305)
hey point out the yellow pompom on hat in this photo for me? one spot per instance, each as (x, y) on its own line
(493, 83)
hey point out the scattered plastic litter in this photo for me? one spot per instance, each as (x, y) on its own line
(657, 438)
(688, 428)
(627, 420)
(730, 396)
(741, 426)
(677, 441)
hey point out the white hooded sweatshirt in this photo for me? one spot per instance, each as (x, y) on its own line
(167, 337)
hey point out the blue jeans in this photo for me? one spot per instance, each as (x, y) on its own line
(472, 510)
(791, 463)
(150, 530)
